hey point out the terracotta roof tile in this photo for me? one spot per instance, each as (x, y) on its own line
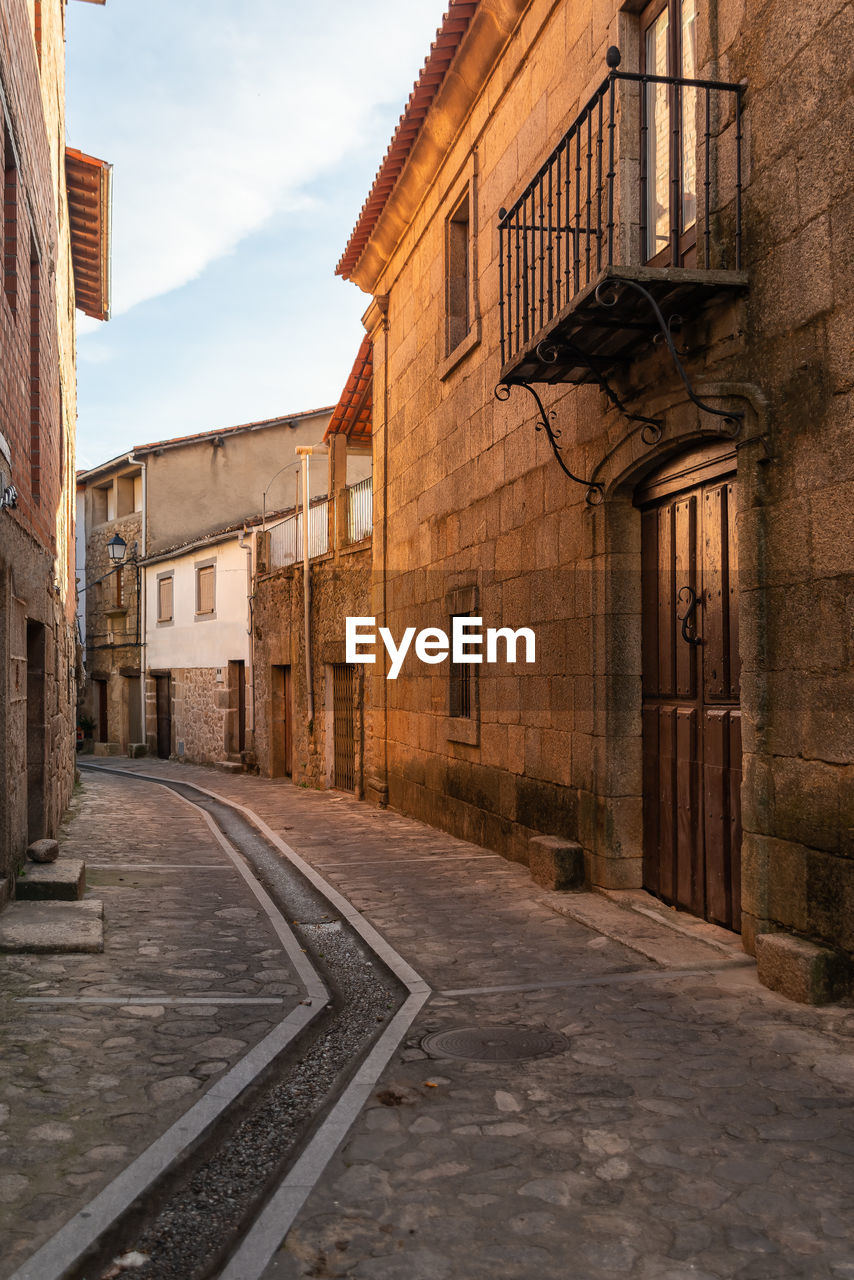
(442, 52)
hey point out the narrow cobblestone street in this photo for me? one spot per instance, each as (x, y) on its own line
(695, 1125)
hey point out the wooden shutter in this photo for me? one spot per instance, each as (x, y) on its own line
(164, 599)
(205, 589)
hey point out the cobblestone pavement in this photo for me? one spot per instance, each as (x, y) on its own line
(696, 1125)
(86, 1086)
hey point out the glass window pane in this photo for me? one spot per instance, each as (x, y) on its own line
(689, 115)
(658, 139)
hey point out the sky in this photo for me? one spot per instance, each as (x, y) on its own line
(245, 138)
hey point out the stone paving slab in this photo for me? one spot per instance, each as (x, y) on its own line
(52, 927)
(101, 1053)
(697, 1125)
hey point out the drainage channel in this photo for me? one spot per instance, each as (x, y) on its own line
(211, 1197)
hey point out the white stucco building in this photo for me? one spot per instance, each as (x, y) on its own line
(197, 653)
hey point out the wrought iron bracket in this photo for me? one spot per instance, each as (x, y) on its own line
(607, 295)
(595, 492)
(549, 352)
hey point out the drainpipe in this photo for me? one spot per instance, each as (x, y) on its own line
(247, 546)
(304, 451)
(140, 593)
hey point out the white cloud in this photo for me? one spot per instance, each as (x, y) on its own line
(225, 114)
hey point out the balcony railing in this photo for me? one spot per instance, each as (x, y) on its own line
(286, 537)
(360, 509)
(649, 174)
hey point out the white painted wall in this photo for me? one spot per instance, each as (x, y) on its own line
(191, 641)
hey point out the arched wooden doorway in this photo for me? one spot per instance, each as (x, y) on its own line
(691, 711)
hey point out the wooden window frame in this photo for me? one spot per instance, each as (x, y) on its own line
(203, 615)
(462, 309)
(462, 723)
(686, 248)
(161, 577)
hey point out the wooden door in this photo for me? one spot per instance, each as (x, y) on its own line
(101, 709)
(282, 764)
(691, 716)
(343, 728)
(163, 686)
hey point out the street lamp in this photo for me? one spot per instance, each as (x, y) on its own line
(116, 548)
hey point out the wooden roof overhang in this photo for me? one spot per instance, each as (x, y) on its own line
(89, 186)
(353, 413)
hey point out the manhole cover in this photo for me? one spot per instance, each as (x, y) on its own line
(493, 1044)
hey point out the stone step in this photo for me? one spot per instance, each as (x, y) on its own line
(229, 766)
(108, 749)
(51, 927)
(63, 880)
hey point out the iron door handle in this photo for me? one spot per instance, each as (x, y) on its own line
(693, 602)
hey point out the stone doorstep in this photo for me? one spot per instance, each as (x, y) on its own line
(712, 935)
(64, 880)
(665, 943)
(107, 749)
(228, 766)
(53, 927)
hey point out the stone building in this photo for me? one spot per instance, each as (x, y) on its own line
(635, 220)
(55, 247)
(312, 726)
(168, 642)
(111, 500)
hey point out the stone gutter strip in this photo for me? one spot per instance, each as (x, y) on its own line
(274, 1222)
(57, 1255)
(308, 975)
(377, 943)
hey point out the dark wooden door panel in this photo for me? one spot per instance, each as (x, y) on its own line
(691, 721)
(666, 603)
(732, 584)
(685, 580)
(689, 887)
(343, 727)
(652, 801)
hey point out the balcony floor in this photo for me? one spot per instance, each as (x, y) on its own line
(613, 335)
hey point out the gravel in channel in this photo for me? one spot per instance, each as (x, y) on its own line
(193, 1234)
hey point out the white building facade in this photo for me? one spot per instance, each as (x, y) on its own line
(197, 651)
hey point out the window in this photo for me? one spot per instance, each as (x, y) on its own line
(458, 273)
(461, 703)
(669, 49)
(205, 588)
(35, 373)
(10, 223)
(164, 597)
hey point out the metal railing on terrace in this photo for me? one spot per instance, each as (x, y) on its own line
(649, 173)
(286, 537)
(360, 509)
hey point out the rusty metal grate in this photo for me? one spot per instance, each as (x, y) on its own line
(494, 1044)
(343, 728)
